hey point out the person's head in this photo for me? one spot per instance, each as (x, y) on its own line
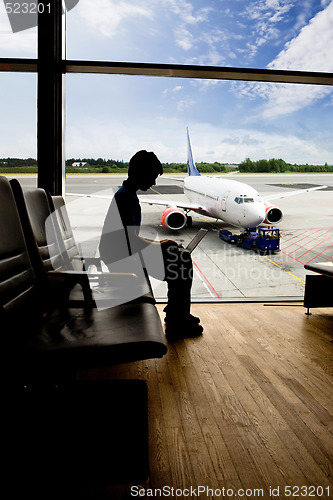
(144, 168)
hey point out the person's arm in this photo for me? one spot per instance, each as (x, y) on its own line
(129, 219)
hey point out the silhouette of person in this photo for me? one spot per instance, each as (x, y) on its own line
(144, 168)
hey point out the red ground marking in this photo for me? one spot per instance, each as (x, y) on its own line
(311, 249)
(304, 237)
(206, 280)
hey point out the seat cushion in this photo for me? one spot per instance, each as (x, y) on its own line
(79, 338)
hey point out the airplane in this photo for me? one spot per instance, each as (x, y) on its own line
(235, 203)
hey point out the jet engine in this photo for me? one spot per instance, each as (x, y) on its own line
(173, 218)
(273, 214)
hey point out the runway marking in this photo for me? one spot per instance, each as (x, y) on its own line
(203, 278)
(285, 270)
(317, 245)
(303, 246)
(298, 240)
(330, 257)
(320, 253)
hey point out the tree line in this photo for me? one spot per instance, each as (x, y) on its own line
(280, 166)
(100, 165)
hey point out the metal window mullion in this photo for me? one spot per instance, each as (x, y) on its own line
(50, 102)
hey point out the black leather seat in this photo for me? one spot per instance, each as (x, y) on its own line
(59, 434)
(39, 336)
(52, 248)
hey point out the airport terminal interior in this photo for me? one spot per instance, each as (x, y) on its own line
(245, 410)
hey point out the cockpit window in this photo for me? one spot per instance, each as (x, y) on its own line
(238, 200)
(243, 199)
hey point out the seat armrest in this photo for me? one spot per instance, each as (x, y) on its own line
(321, 267)
(84, 279)
(82, 275)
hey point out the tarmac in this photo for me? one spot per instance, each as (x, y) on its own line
(222, 272)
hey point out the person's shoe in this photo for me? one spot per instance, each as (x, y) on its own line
(182, 329)
(193, 319)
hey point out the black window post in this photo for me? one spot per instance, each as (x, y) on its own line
(50, 102)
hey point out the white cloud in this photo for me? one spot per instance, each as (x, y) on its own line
(265, 15)
(21, 44)
(184, 17)
(269, 9)
(286, 99)
(185, 11)
(210, 143)
(184, 38)
(121, 139)
(303, 15)
(185, 104)
(175, 89)
(311, 50)
(256, 145)
(167, 138)
(107, 16)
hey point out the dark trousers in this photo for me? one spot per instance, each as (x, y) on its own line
(179, 276)
(178, 273)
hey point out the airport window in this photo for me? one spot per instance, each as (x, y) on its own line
(181, 32)
(232, 34)
(14, 40)
(18, 124)
(124, 113)
(265, 126)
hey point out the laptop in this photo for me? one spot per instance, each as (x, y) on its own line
(196, 240)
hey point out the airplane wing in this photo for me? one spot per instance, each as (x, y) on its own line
(221, 176)
(179, 179)
(105, 197)
(215, 176)
(291, 193)
(185, 205)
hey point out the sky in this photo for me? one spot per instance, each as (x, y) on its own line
(112, 116)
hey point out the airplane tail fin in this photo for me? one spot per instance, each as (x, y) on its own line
(192, 169)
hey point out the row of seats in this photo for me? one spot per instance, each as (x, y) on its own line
(47, 332)
(51, 328)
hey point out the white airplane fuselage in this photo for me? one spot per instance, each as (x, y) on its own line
(234, 202)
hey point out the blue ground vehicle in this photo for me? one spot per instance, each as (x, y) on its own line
(264, 239)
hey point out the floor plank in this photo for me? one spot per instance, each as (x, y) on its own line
(247, 406)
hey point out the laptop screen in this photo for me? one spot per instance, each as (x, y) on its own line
(196, 240)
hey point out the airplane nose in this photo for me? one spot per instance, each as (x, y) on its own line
(254, 216)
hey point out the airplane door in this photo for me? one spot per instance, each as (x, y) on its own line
(223, 201)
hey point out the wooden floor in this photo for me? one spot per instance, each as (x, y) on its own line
(244, 411)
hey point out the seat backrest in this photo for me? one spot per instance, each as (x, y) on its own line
(58, 206)
(19, 288)
(41, 229)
